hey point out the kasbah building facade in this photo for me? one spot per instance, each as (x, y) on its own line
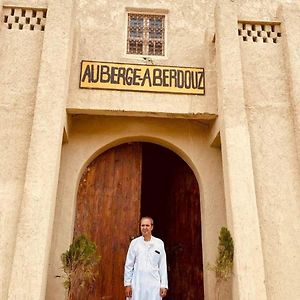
(188, 111)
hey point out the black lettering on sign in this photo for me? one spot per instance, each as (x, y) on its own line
(173, 76)
(157, 78)
(194, 80)
(166, 77)
(118, 76)
(180, 79)
(86, 74)
(95, 74)
(129, 77)
(146, 77)
(136, 77)
(121, 75)
(187, 79)
(201, 78)
(113, 75)
(104, 74)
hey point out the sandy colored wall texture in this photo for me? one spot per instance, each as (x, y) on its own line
(91, 136)
(270, 93)
(276, 167)
(19, 64)
(104, 39)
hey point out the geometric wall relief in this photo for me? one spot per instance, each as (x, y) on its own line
(260, 32)
(24, 18)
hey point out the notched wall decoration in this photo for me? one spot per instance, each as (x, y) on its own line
(259, 32)
(24, 18)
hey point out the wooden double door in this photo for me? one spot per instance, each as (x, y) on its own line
(125, 183)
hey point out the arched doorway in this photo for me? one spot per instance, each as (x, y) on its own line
(125, 183)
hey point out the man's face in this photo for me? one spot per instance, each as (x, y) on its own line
(146, 227)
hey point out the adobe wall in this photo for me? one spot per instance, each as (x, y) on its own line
(104, 39)
(19, 64)
(91, 136)
(25, 136)
(270, 87)
(276, 168)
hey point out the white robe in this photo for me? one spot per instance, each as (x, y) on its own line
(146, 268)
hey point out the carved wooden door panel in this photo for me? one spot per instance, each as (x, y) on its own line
(108, 211)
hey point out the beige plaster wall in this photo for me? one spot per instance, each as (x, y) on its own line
(262, 10)
(101, 36)
(90, 136)
(19, 65)
(275, 162)
(35, 222)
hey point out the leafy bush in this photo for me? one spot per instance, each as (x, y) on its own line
(224, 261)
(80, 264)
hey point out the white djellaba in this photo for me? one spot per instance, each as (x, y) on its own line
(146, 268)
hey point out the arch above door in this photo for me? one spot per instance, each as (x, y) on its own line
(92, 135)
(115, 190)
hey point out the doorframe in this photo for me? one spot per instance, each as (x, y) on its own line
(186, 139)
(162, 143)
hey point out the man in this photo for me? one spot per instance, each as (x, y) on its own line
(145, 275)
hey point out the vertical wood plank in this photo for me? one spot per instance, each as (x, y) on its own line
(108, 211)
(184, 235)
(170, 194)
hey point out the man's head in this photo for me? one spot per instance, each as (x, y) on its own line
(146, 227)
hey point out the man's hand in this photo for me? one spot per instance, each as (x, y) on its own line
(163, 292)
(128, 291)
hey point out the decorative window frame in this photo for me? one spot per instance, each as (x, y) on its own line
(146, 11)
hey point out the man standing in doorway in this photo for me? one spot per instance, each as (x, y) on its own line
(145, 275)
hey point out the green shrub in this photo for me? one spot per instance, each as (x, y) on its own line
(79, 264)
(224, 261)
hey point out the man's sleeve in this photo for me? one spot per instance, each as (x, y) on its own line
(129, 265)
(163, 270)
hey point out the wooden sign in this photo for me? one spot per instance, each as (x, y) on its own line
(142, 78)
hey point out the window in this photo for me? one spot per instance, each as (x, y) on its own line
(146, 34)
